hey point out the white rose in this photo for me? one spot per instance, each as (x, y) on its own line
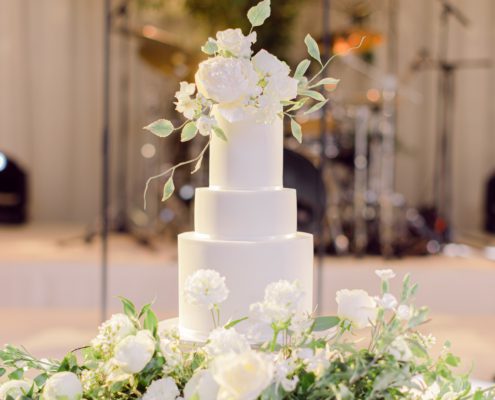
(201, 386)
(15, 389)
(134, 352)
(63, 386)
(227, 80)
(284, 87)
(162, 389)
(222, 341)
(234, 42)
(242, 376)
(111, 332)
(357, 306)
(206, 287)
(385, 274)
(400, 349)
(267, 64)
(404, 312)
(388, 301)
(171, 351)
(205, 125)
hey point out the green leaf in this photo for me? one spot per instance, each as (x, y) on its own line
(197, 166)
(313, 94)
(298, 104)
(327, 81)
(296, 130)
(168, 188)
(17, 374)
(316, 107)
(325, 323)
(259, 13)
(220, 133)
(41, 379)
(452, 360)
(160, 128)
(129, 307)
(231, 324)
(210, 47)
(189, 131)
(2, 372)
(301, 69)
(313, 49)
(150, 321)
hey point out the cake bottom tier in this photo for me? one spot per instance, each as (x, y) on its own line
(248, 266)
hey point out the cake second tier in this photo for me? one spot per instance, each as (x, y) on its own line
(248, 267)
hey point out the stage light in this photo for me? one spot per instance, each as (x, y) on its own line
(186, 192)
(3, 162)
(148, 150)
(373, 95)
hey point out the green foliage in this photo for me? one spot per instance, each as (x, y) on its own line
(325, 323)
(313, 49)
(189, 131)
(296, 130)
(219, 133)
(168, 188)
(259, 13)
(161, 128)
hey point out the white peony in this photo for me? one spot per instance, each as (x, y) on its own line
(400, 349)
(134, 352)
(206, 287)
(242, 376)
(234, 42)
(388, 301)
(227, 80)
(357, 306)
(185, 104)
(14, 388)
(385, 274)
(267, 64)
(222, 341)
(162, 389)
(284, 293)
(404, 312)
(111, 332)
(63, 386)
(201, 386)
(205, 125)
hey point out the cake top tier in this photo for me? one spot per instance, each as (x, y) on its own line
(252, 156)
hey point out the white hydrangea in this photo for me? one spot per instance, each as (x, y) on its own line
(205, 287)
(111, 332)
(134, 352)
(385, 274)
(185, 104)
(356, 306)
(14, 388)
(222, 341)
(63, 385)
(234, 42)
(162, 389)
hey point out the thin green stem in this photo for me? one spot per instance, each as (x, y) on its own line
(172, 170)
(337, 55)
(213, 318)
(274, 339)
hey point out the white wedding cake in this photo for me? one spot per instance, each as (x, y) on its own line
(245, 225)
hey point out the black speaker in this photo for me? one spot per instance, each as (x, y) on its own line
(13, 192)
(490, 205)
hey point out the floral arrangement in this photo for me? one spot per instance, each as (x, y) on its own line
(370, 350)
(236, 84)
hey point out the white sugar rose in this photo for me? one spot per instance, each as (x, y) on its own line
(356, 306)
(206, 287)
(63, 386)
(15, 389)
(222, 341)
(205, 125)
(242, 376)
(201, 386)
(162, 389)
(134, 352)
(227, 80)
(235, 43)
(111, 332)
(267, 64)
(385, 274)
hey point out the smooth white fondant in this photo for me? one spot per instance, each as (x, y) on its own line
(252, 157)
(240, 214)
(249, 266)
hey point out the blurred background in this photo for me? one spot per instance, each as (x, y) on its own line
(398, 171)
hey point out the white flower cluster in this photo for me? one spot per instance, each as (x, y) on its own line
(206, 288)
(111, 332)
